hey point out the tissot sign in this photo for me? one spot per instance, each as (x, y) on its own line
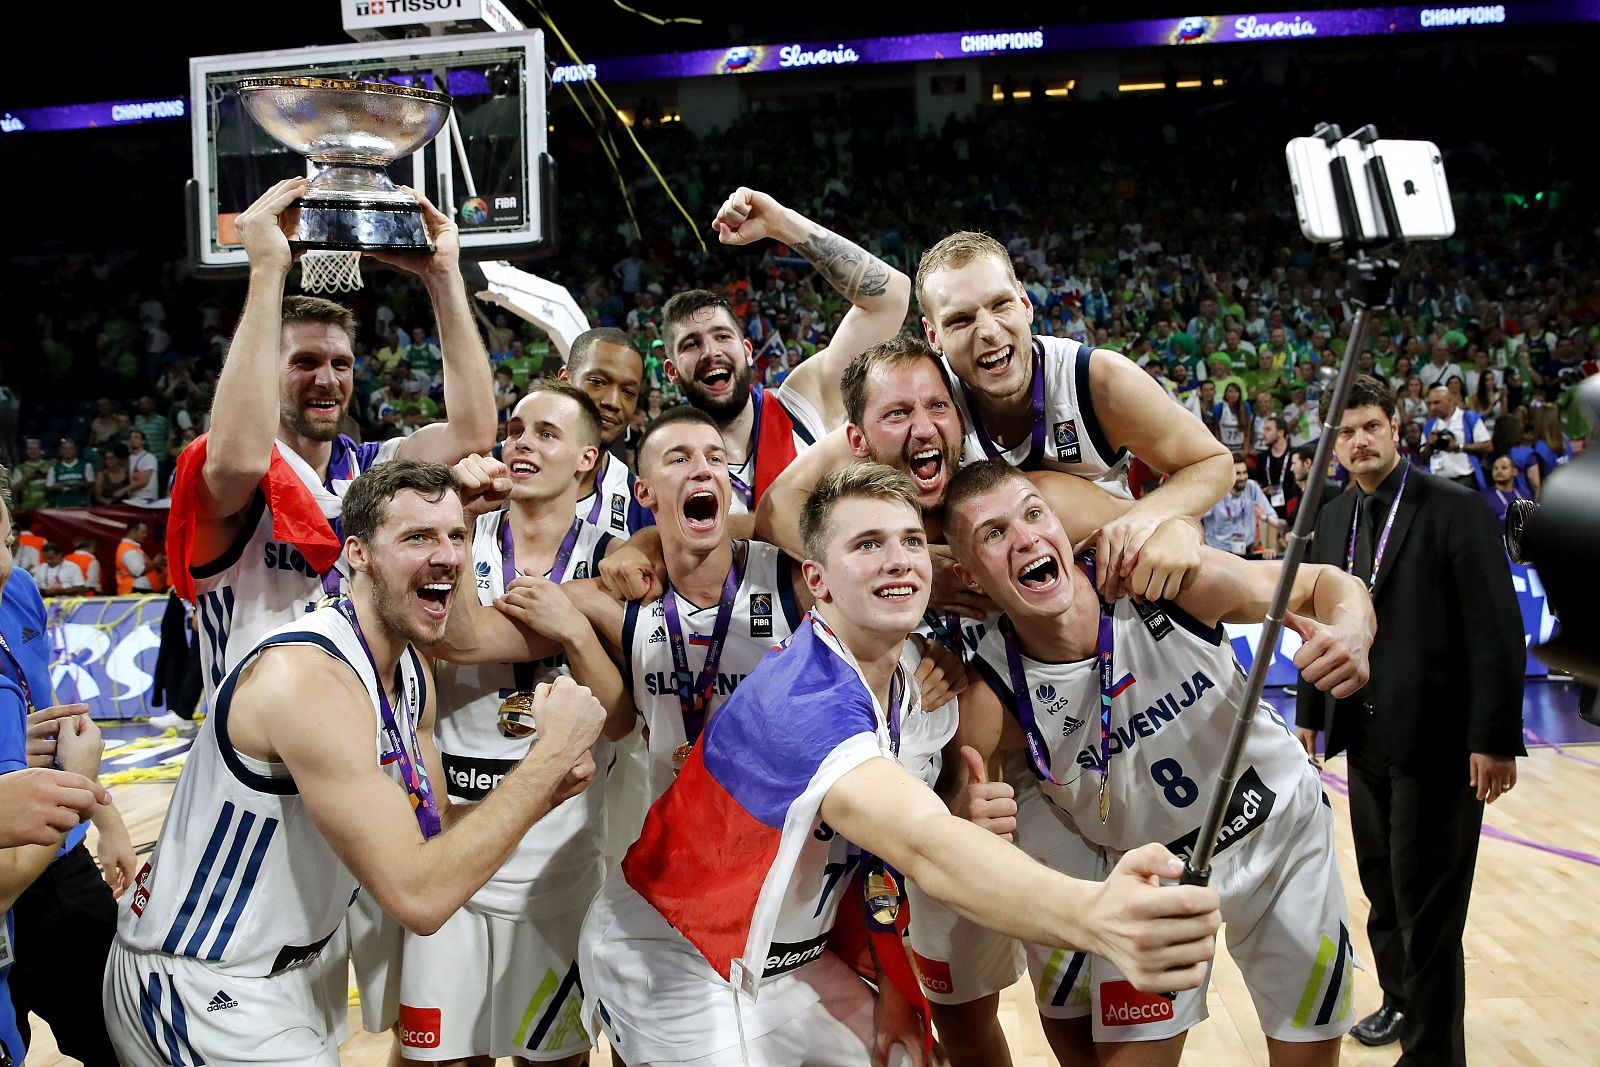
(362, 15)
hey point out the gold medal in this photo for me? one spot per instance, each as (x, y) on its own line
(327, 600)
(516, 716)
(680, 756)
(883, 897)
(1105, 795)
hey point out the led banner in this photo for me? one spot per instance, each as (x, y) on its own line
(1537, 624)
(103, 652)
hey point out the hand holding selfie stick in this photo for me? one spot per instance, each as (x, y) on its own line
(1371, 279)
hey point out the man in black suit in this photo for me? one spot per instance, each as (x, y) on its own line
(1437, 730)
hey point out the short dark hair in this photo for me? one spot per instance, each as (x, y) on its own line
(1305, 452)
(315, 309)
(1368, 392)
(1280, 422)
(590, 414)
(87, 543)
(688, 303)
(975, 479)
(874, 481)
(366, 504)
(583, 346)
(901, 348)
(671, 417)
(1238, 457)
(49, 546)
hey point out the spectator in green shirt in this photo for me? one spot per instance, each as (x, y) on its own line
(1266, 375)
(70, 477)
(154, 425)
(29, 477)
(1221, 372)
(423, 355)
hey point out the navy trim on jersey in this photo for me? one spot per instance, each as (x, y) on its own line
(599, 553)
(1212, 635)
(216, 618)
(172, 1033)
(231, 555)
(630, 619)
(422, 687)
(1091, 422)
(198, 882)
(247, 885)
(795, 423)
(1001, 687)
(791, 606)
(283, 787)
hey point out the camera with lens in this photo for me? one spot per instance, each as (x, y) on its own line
(1557, 536)
(1443, 440)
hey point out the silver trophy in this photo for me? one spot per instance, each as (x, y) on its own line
(351, 130)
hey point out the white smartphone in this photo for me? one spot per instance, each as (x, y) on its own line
(1411, 176)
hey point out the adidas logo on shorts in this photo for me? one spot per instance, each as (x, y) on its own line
(221, 1001)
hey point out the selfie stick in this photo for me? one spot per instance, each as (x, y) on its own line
(1371, 281)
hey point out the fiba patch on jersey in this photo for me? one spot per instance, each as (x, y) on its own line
(419, 1027)
(619, 511)
(1158, 622)
(760, 614)
(1067, 448)
(935, 974)
(1252, 803)
(1123, 1005)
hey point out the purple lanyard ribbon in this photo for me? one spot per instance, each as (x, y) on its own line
(1038, 753)
(558, 569)
(947, 631)
(746, 492)
(413, 776)
(1383, 539)
(994, 451)
(22, 675)
(340, 465)
(694, 693)
(594, 512)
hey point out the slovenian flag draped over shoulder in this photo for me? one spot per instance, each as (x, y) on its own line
(720, 845)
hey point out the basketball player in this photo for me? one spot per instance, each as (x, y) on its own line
(827, 754)
(1164, 676)
(311, 777)
(259, 491)
(710, 358)
(605, 365)
(500, 977)
(1058, 404)
(900, 411)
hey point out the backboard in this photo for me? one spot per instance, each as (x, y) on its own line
(495, 179)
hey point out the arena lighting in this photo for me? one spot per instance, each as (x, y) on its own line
(1248, 28)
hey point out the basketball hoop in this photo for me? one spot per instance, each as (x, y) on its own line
(329, 272)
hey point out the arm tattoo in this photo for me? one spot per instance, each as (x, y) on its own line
(850, 269)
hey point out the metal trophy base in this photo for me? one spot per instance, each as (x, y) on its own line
(348, 225)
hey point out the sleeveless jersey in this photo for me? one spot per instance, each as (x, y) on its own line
(559, 859)
(261, 583)
(1180, 685)
(1073, 439)
(764, 614)
(242, 879)
(787, 427)
(611, 507)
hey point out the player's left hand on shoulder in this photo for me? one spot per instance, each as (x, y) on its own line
(940, 676)
(1332, 660)
(1493, 776)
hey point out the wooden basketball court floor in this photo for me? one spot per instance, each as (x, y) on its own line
(1532, 942)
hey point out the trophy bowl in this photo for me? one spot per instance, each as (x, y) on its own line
(351, 131)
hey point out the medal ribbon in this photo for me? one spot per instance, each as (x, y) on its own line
(746, 492)
(523, 672)
(22, 675)
(694, 693)
(1383, 538)
(1104, 648)
(1038, 752)
(994, 451)
(340, 466)
(594, 512)
(413, 775)
(947, 631)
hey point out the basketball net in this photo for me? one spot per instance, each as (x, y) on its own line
(329, 272)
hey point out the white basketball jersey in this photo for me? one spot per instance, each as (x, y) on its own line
(241, 877)
(764, 614)
(559, 859)
(261, 583)
(806, 431)
(611, 508)
(1073, 439)
(1180, 687)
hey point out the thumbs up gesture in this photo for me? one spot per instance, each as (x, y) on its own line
(989, 805)
(1332, 659)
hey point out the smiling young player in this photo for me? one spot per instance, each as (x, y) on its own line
(1123, 712)
(821, 763)
(313, 775)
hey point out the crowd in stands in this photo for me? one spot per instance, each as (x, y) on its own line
(1160, 228)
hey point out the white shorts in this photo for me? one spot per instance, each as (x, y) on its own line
(960, 961)
(490, 986)
(165, 1010)
(375, 940)
(627, 793)
(1283, 914)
